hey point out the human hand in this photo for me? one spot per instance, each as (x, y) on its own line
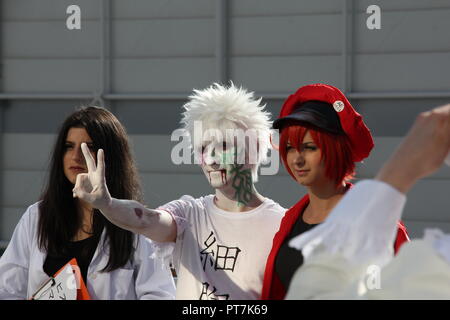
(91, 187)
(421, 152)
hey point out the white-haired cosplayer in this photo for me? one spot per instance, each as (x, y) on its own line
(218, 243)
(232, 115)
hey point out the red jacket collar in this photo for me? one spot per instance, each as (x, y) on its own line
(291, 215)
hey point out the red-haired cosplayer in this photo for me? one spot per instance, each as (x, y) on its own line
(321, 138)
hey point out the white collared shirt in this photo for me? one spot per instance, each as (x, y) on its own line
(21, 268)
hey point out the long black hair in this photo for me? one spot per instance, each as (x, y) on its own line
(59, 219)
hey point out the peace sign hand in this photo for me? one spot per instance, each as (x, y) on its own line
(91, 186)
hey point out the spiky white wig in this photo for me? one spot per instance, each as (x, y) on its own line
(228, 107)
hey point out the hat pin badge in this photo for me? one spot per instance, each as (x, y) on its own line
(338, 106)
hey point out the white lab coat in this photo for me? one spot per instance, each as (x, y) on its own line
(21, 268)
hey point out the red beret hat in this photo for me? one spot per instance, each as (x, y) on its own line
(350, 121)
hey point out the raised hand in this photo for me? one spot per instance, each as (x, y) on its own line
(91, 186)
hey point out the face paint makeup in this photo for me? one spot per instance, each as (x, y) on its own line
(229, 157)
(242, 184)
(223, 175)
(217, 164)
(138, 212)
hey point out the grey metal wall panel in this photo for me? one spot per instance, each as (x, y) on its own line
(384, 147)
(153, 154)
(416, 228)
(403, 32)
(50, 40)
(27, 152)
(161, 188)
(402, 5)
(144, 9)
(286, 36)
(61, 75)
(41, 116)
(25, 10)
(281, 188)
(405, 71)
(393, 117)
(8, 220)
(158, 117)
(22, 187)
(285, 7)
(163, 38)
(285, 74)
(162, 74)
(429, 200)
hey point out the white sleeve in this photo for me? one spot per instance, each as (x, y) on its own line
(439, 241)
(362, 226)
(178, 210)
(418, 271)
(14, 263)
(153, 278)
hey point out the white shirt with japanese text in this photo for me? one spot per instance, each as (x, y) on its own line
(220, 254)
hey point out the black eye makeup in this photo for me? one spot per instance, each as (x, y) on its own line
(310, 147)
(68, 145)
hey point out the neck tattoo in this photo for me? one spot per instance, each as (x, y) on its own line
(242, 184)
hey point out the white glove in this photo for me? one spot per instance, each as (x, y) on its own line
(91, 187)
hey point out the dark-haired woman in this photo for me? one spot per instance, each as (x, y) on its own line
(321, 139)
(113, 263)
